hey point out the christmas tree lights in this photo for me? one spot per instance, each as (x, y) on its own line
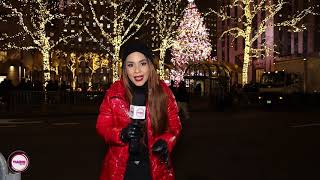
(193, 43)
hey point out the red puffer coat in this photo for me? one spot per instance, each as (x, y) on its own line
(114, 116)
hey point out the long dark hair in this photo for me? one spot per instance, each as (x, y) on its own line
(157, 99)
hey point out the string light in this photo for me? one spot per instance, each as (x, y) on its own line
(250, 34)
(41, 14)
(167, 15)
(93, 60)
(123, 13)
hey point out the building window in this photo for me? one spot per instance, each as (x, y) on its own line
(73, 21)
(87, 23)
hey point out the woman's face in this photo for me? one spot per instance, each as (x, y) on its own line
(137, 67)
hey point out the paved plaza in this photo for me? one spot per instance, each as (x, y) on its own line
(239, 143)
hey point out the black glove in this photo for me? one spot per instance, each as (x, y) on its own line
(132, 131)
(160, 148)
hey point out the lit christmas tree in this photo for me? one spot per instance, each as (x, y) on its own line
(193, 44)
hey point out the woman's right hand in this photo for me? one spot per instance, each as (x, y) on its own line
(132, 131)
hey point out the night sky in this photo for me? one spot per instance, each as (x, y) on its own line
(204, 5)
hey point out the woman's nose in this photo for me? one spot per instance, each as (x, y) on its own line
(137, 69)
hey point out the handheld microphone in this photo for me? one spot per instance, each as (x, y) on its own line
(137, 114)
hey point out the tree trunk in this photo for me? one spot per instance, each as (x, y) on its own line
(46, 65)
(161, 63)
(246, 56)
(74, 79)
(116, 64)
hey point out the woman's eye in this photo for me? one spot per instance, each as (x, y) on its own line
(143, 63)
(130, 65)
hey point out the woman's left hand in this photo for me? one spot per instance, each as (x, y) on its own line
(160, 148)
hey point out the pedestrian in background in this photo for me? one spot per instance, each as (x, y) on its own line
(157, 134)
(182, 97)
(172, 87)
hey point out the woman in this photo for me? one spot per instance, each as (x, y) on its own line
(156, 135)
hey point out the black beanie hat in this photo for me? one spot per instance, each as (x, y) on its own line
(137, 46)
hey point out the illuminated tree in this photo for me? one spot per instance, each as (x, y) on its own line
(116, 27)
(95, 61)
(193, 44)
(71, 61)
(3, 56)
(33, 18)
(244, 26)
(167, 16)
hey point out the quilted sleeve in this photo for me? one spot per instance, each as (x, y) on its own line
(105, 123)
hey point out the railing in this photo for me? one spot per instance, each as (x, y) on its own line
(36, 99)
(54, 97)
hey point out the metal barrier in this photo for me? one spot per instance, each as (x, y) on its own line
(29, 101)
(4, 172)
(54, 97)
